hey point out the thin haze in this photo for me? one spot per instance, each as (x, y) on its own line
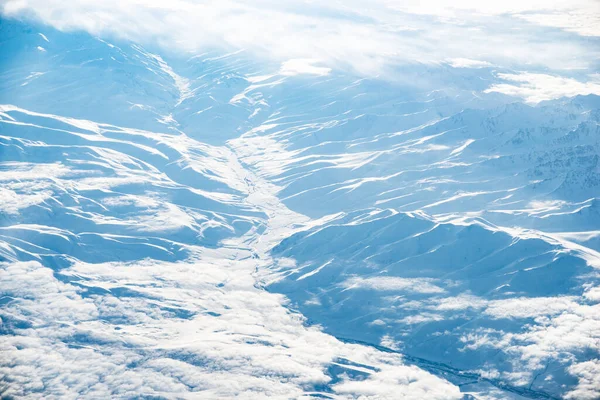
(365, 37)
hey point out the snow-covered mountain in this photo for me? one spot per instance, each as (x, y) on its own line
(216, 226)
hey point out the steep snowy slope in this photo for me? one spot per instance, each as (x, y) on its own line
(472, 160)
(473, 297)
(219, 226)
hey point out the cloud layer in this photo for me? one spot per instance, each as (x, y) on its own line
(200, 327)
(367, 39)
(535, 88)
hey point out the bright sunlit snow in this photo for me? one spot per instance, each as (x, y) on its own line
(234, 199)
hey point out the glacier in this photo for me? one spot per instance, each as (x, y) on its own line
(220, 226)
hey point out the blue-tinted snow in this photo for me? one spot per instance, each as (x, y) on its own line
(217, 226)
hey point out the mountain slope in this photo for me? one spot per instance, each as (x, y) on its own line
(219, 226)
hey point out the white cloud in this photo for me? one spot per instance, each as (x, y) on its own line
(444, 8)
(302, 66)
(461, 302)
(387, 283)
(562, 329)
(579, 16)
(525, 307)
(588, 374)
(539, 87)
(350, 34)
(191, 327)
(403, 384)
(592, 294)
(468, 63)
(585, 22)
(421, 318)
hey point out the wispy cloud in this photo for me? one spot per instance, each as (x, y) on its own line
(468, 63)
(367, 39)
(579, 16)
(588, 374)
(387, 283)
(539, 87)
